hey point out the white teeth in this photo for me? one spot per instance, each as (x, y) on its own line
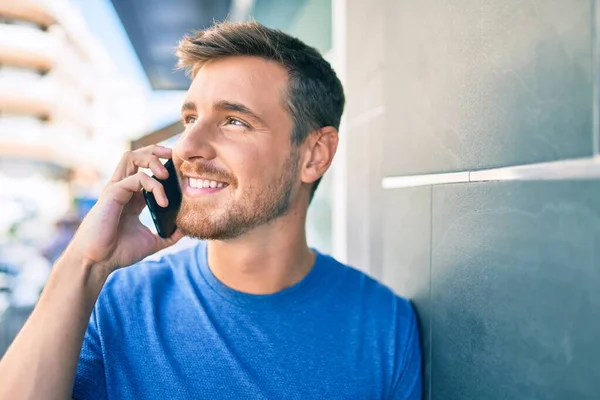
(203, 183)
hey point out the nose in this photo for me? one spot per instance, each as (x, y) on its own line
(196, 141)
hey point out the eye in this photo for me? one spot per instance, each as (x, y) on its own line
(190, 119)
(236, 122)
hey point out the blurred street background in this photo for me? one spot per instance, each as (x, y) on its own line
(467, 177)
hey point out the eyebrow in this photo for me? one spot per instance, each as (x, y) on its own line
(225, 105)
(188, 106)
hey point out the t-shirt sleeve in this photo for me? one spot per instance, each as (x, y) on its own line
(90, 380)
(409, 383)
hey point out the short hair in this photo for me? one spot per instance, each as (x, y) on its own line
(314, 97)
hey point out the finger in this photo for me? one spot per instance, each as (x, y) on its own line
(137, 182)
(177, 235)
(174, 238)
(133, 160)
(124, 167)
(157, 168)
(161, 151)
(155, 150)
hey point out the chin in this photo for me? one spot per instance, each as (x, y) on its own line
(207, 225)
(197, 224)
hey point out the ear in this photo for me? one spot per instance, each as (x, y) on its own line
(321, 146)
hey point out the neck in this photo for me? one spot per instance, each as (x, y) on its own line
(267, 259)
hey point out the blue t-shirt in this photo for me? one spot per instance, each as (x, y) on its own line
(169, 329)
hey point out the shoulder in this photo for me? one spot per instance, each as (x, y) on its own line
(148, 279)
(385, 317)
(368, 292)
(387, 321)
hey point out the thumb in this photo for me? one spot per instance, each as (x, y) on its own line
(168, 242)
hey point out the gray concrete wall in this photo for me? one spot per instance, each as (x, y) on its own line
(505, 275)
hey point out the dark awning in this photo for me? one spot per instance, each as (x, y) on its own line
(155, 26)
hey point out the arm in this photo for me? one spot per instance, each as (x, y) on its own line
(409, 385)
(41, 362)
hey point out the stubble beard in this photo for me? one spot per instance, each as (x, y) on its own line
(234, 218)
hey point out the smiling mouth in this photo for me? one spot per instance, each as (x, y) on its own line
(205, 184)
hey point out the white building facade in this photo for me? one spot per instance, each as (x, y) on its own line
(65, 114)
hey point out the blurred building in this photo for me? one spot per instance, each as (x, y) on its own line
(65, 115)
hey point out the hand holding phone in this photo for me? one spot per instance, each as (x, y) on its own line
(111, 236)
(164, 217)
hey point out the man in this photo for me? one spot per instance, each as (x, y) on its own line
(253, 312)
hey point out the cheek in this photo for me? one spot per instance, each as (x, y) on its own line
(252, 171)
(257, 169)
(254, 164)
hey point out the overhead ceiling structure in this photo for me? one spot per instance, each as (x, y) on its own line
(155, 26)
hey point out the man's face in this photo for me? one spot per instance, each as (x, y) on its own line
(237, 142)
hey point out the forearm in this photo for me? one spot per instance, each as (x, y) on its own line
(42, 360)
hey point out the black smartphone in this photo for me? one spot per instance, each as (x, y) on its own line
(164, 217)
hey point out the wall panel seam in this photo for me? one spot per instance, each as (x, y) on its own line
(596, 76)
(429, 362)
